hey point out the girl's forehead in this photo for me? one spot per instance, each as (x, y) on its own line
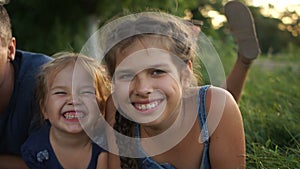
(147, 58)
(71, 73)
(140, 45)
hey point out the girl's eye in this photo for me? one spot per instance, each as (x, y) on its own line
(88, 92)
(125, 77)
(60, 93)
(158, 72)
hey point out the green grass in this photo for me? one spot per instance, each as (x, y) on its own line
(270, 106)
(271, 113)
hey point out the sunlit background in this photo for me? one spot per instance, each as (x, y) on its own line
(61, 28)
(278, 9)
(288, 11)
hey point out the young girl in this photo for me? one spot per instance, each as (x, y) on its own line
(71, 92)
(162, 119)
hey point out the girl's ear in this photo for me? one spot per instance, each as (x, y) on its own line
(187, 74)
(185, 77)
(190, 65)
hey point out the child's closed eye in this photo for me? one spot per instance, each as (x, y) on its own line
(59, 93)
(88, 92)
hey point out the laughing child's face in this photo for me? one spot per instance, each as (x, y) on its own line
(71, 99)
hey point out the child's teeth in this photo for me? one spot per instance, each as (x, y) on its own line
(147, 106)
(72, 115)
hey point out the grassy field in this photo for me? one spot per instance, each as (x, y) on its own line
(271, 112)
(270, 106)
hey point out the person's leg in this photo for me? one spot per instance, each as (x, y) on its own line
(235, 81)
(242, 27)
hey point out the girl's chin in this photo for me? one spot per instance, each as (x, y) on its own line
(74, 128)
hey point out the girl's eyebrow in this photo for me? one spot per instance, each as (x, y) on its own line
(58, 87)
(65, 87)
(130, 69)
(124, 71)
(160, 65)
(87, 86)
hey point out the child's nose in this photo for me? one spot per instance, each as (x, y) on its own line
(73, 100)
(142, 86)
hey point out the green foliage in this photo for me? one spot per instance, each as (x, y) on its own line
(52, 26)
(271, 39)
(263, 156)
(270, 108)
(227, 55)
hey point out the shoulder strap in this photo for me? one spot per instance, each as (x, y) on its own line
(202, 112)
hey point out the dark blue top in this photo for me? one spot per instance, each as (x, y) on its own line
(38, 153)
(17, 120)
(149, 163)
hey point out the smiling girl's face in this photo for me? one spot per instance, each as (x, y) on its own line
(70, 99)
(147, 84)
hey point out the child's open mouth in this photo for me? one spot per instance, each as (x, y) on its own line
(69, 115)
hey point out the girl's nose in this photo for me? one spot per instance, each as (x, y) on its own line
(142, 86)
(73, 100)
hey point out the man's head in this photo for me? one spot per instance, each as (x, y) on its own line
(5, 27)
(7, 46)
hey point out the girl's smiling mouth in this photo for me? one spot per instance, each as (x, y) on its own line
(69, 115)
(147, 106)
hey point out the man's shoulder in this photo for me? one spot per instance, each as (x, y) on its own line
(27, 65)
(35, 59)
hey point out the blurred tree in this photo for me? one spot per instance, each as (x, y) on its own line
(52, 26)
(271, 38)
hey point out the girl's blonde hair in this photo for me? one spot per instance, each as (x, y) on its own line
(61, 60)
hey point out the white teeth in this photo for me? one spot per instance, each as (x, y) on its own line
(148, 106)
(73, 115)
